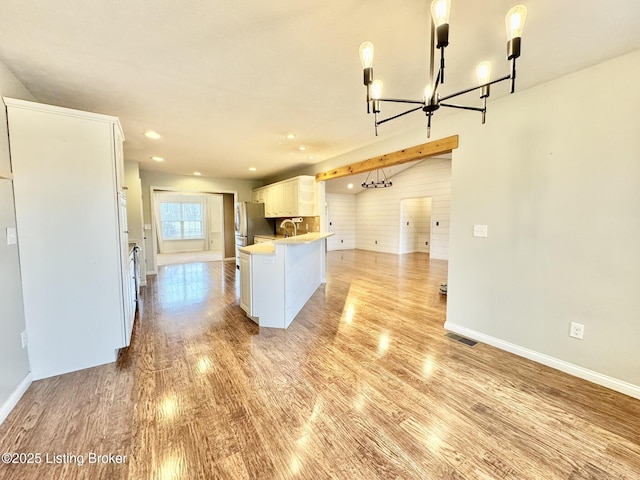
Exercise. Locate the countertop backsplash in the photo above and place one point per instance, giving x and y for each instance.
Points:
(308, 225)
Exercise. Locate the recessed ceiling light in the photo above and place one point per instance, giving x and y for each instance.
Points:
(197, 174)
(302, 148)
(291, 136)
(350, 186)
(252, 169)
(311, 157)
(157, 159)
(152, 134)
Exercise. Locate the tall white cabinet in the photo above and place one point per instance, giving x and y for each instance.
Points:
(68, 173)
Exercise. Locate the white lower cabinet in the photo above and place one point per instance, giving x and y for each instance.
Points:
(245, 283)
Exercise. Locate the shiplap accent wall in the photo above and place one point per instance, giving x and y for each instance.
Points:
(378, 210)
(341, 209)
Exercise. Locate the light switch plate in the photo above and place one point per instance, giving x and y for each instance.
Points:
(12, 236)
(480, 231)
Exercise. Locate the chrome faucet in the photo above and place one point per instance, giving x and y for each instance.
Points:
(285, 221)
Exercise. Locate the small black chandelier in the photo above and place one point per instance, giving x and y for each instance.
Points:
(377, 183)
(432, 101)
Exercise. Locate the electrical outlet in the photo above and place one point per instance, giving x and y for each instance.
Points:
(480, 231)
(576, 330)
(23, 337)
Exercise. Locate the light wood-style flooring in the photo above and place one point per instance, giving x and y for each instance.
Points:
(363, 385)
(188, 257)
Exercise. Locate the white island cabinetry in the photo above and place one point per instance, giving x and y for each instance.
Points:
(245, 282)
(278, 278)
(72, 236)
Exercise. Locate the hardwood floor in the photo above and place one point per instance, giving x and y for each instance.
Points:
(363, 385)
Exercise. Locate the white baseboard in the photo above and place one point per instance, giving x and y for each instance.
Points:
(13, 399)
(571, 369)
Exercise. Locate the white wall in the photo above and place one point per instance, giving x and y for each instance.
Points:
(215, 224)
(378, 210)
(14, 362)
(342, 221)
(555, 174)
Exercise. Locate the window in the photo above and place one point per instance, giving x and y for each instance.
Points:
(181, 221)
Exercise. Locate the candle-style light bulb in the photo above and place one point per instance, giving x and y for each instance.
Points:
(366, 54)
(514, 21)
(440, 11)
(428, 93)
(376, 90)
(483, 72)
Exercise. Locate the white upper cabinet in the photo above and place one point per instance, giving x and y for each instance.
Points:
(295, 197)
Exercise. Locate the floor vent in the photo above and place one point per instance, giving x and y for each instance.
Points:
(466, 341)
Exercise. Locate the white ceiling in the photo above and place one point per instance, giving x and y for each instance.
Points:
(223, 81)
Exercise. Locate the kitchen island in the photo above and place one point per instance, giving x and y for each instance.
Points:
(277, 279)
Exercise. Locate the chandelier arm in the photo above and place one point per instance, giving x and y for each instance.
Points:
(380, 122)
(401, 100)
(437, 82)
(462, 92)
(462, 107)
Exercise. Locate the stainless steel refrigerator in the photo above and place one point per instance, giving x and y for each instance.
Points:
(250, 221)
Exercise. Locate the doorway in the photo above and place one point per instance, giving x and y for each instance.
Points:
(190, 227)
(415, 225)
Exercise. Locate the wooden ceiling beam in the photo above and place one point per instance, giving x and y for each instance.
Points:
(429, 149)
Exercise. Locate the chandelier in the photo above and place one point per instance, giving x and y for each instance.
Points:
(432, 101)
(377, 183)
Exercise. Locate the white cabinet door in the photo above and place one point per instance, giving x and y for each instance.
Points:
(245, 283)
(290, 198)
(306, 197)
(258, 195)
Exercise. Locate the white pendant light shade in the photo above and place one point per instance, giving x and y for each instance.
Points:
(514, 21)
(366, 54)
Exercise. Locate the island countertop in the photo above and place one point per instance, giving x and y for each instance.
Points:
(304, 238)
(269, 248)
